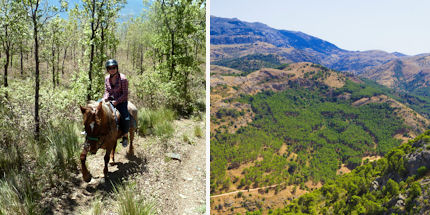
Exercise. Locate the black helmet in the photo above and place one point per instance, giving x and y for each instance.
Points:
(111, 62)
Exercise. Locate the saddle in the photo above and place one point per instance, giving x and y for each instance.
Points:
(117, 115)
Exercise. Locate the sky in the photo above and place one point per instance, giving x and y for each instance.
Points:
(132, 8)
(355, 25)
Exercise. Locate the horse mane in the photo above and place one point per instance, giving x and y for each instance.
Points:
(107, 111)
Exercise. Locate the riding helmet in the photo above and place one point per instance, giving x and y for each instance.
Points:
(111, 62)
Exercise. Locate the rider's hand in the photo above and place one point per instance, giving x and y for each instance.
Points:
(114, 103)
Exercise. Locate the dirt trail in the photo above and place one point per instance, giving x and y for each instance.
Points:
(245, 191)
(173, 186)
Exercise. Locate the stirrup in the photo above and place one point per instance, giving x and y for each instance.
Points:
(124, 141)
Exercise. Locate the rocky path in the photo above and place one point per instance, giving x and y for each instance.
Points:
(173, 186)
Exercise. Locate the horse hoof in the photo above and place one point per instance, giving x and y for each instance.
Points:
(112, 163)
(87, 178)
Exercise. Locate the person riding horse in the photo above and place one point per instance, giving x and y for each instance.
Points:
(116, 91)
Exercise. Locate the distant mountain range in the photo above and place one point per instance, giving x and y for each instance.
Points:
(233, 38)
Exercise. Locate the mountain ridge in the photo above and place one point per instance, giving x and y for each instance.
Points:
(233, 39)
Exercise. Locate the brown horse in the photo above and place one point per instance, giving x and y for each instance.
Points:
(102, 132)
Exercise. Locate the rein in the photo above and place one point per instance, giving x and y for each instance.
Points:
(87, 144)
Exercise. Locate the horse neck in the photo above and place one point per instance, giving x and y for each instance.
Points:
(109, 115)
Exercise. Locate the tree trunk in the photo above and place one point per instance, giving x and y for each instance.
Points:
(21, 60)
(53, 64)
(128, 48)
(141, 60)
(102, 47)
(93, 31)
(58, 67)
(7, 50)
(6, 65)
(172, 54)
(36, 96)
(11, 61)
(90, 72)
(64, 59)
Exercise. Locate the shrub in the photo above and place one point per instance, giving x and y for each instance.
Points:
(186, 139)
(164, 129)
(422, 171)
(157, 122)
(198, 131)
(128, 203)
(391, 188)
(19, 195)
(62, 147)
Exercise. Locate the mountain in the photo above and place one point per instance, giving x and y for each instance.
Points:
(294, 128)
(232, 38)
(234, 31)
(407, 73)
(395, 184)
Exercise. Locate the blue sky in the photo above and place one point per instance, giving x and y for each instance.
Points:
(132, 8)
(389, 25)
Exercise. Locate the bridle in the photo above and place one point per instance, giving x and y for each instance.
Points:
(97, 138)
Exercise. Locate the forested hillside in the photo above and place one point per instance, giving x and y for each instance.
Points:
(397, 183)
(298, 126)
(53, 60)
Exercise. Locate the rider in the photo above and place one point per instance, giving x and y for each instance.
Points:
(116, 91)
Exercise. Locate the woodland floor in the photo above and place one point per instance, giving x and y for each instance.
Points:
(172, 186)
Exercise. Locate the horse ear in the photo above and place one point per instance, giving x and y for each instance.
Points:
(99, 107)
(83, 110)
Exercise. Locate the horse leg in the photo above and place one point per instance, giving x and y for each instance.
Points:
(112, 154)
(85, 174)
(130, 148)
(105, 170)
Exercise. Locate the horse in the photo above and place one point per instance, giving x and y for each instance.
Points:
(102, 132)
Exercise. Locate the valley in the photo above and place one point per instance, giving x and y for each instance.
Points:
(292, 114)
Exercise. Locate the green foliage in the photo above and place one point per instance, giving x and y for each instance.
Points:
(391, 188)
(198, 132)
(151, 89)
(223, 112)
(19, 194)
(128, 203)
(416, 98)
(186, 139)
(176, 42)
(251, 63)
(61, 154)
(10, 154)
(359, 91)
(415, 190)
(96, 208)
(422, 171)
(353, 193)
(321, 130)
(157, 122)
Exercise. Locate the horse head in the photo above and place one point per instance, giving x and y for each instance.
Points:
(93, 117)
